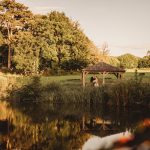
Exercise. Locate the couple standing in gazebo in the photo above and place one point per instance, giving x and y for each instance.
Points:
(100, 68)
(94, 81)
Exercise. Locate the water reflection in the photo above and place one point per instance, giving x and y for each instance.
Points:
(61, 126)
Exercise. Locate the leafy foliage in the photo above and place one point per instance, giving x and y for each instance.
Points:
(35, 43)
(40, 42)
(128, 61)
(59, 41)
(144, 62)
(26, 52)
(13, 17)
(114, 61)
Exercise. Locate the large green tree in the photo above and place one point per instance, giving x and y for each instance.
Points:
(13, 17)
(71, 43)
(63, 41)
(94, 55)
(128, 61)
(26, 52)
(79, 49)
(53, 40)
(61, 30)
(43, 30)
(114, 61)
(144, 62)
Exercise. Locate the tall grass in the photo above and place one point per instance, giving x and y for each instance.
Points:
(124, 93)
(6, 83)
(57, 93)
(131, 92)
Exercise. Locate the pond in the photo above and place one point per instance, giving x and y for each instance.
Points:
(62, 126)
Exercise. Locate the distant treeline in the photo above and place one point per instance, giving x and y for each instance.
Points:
(131, 61)
(34, 43)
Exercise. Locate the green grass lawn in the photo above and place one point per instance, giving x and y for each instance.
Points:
(68, 88)
(76, 80)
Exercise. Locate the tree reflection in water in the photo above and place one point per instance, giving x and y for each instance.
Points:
(65, 126)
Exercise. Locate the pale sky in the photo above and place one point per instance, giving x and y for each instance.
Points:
(123, 24)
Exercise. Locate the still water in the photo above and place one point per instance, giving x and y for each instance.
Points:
(47, 126)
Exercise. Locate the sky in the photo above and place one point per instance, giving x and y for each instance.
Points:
(123, 24)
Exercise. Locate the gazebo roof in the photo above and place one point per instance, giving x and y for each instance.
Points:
(103, 67)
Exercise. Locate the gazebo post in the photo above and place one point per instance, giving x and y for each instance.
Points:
(103, 78)
(121, 75)
(84, 73)
(83, 78)
(104, 74)
(83, 122)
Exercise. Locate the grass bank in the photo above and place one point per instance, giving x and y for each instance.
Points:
(133, 89)
(120, 93)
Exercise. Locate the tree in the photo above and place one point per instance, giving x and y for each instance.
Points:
(128, 61)
(1, 43)
(104, 52)
(104, 48)
(53, 40)
(13, 17)
(1, 39)
(79, 48)
(63, 41)
(114, 61)
(148, 53)
(95, 54)
(42, 28)
(26, 52)
(61, 28)
(144, 62)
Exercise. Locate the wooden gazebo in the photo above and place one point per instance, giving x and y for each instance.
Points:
(104, 69)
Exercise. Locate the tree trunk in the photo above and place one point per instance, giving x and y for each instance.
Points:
(59, 57)
(9, 57)
(59, 61)
(9, 32)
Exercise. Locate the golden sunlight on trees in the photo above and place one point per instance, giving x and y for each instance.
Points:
(13, 17)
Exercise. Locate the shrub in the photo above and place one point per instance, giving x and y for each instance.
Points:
(123, 93)
(130, 93)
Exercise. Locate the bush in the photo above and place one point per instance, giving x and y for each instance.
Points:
(124, 93)
(130, 93)
(57, 93)
(6, 84)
